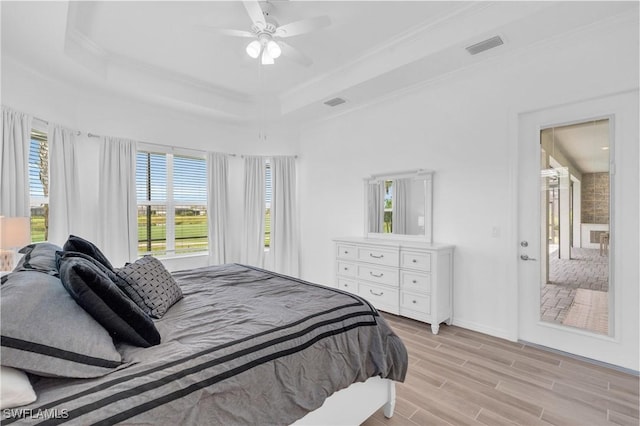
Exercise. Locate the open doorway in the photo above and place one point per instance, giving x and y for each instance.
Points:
(575, 224)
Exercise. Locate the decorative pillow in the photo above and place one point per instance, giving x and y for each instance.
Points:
(89, 284)
(39, 257)
(87, 247)
(63, 255)
(45, 332)
(150, 285)
(15, 388)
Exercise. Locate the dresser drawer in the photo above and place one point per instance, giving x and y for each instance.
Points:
(346, 269)
(382, 256)
(415, 260)
(348, 285)
(345, 251)
(415, 281)
(384, 298)
(378, 274)
(415, 302)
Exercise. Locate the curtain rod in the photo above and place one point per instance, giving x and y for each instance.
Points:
(93, 135)
(78, 132)
(266, 156)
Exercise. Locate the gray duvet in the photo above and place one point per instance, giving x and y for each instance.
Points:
(243, 347)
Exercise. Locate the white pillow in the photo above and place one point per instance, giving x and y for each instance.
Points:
(15, 388)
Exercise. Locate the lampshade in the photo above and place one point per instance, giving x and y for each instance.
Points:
(253, 49)
(14, 232)
(274, 49)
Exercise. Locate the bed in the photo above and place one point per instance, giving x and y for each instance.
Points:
(241, 346)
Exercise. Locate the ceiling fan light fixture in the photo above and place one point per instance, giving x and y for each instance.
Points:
(266, 58)
(254, 48)
(274, 49)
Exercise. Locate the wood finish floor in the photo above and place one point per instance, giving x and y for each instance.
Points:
(460, 377)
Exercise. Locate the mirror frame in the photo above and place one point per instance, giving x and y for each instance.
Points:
(428, 204)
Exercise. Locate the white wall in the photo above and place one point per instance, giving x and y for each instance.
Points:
(459, 127)
(105, 114)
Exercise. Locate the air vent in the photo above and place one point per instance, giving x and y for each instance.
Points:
(487, 44)
(335, 101)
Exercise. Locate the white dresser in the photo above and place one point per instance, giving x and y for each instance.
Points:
(407, 278)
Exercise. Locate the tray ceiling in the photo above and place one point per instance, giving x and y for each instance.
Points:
(158, 52)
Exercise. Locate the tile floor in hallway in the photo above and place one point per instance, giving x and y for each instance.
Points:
(586, 269)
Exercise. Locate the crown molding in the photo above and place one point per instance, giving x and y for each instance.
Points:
(465, 24)
(572, 36)
(151, 81)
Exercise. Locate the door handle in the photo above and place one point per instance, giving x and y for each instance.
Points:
(525, 257)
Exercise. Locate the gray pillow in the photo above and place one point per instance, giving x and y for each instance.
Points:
(149, 285)
(39, 257)
(45, 332)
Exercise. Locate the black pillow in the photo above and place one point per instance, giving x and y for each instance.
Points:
(62, 255)
(87, 247)
(89, 285)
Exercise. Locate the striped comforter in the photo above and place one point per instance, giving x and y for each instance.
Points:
(244, 346)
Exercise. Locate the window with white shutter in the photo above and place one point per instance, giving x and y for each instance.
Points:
(39, 185)
(267, 206)
(172, 204)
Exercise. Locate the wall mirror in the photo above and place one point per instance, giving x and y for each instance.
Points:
(399, 205)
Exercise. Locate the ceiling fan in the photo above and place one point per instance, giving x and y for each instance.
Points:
(267, 33)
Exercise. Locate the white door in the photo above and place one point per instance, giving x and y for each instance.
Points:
(612, 347)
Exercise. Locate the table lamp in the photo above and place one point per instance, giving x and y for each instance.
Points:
(15, 233)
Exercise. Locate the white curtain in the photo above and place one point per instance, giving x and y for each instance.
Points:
(14, 164)
(118, 221)
(284, 220)
(401, 206)
(218, 172)
(64, 202)
(252, 251)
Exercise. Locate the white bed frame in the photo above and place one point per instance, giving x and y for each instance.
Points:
(355, 404)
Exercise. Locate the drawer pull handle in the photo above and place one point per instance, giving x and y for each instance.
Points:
(414, 260)
(376, 257)
(346, 285)
(346, 252)
(376, 294)
(413, 301)
(374, 275)
(346, 269)
(414, 281)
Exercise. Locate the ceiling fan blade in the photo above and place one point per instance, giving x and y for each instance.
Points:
(303, 26)
(226, 31)
(291, 52)
(255, 13)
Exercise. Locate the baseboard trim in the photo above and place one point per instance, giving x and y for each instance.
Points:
(504, 334)
(480, 328)
(583, 358)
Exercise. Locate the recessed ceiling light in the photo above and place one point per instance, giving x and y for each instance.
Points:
(605, 148)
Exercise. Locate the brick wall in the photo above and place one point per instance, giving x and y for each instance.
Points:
(595, 198)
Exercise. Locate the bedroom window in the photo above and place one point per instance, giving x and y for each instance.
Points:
(39, 185)
(267, 206)
(172, 204)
